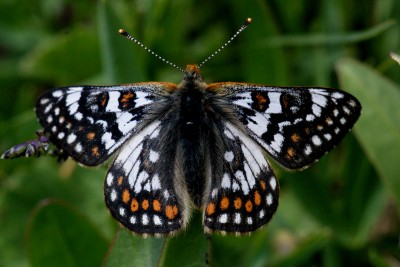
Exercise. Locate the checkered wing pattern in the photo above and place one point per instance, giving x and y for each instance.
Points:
(89, 123)
(296, 126)
(243, 193)
(141, 189)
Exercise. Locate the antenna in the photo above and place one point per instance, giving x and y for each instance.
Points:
(130, 37)
(242, 28)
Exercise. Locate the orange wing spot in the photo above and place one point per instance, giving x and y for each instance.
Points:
(103, 101)
(145, 204)
(120, 179)
(263, 185)
(95, 151)
(210, 209)
(91, 135)
(257, 198)
(262, 102)
(134, 205)
(285, 101)
(224, 204)
(171, 211)
(295, 137)
(320, 127)
(237, 203)
(290, 153)
(249, 206)
(126, 97)
(126, 196)
(156, 205)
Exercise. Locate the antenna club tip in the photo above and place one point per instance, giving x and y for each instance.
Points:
(248, 21)
(122, 31)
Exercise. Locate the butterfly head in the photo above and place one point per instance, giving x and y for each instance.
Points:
(192, 73)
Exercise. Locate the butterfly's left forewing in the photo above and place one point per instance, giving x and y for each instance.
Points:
(89, 123)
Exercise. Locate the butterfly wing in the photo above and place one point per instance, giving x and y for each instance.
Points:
(296, 126)
(144, 189)
(243, 192)
(89, 123)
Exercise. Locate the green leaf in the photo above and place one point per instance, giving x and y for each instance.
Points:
(189, 248)
(130, 250)
(378, 128)
(55, 237)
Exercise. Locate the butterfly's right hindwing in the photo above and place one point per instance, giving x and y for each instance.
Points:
(90, 122)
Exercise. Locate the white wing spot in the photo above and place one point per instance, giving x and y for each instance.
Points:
(155, 182)
(346, 110)
(133, 219)
(113, 195)
(310, 117)
(153, 156)
(78, 116)
(48, 108)
(307, 150)
(57, 111)
(44, 101)
(57, 93)
(335, 112)
(328, 136)
(316, 140)
(237, 219)
(71, 138)
(49, 119)
(316, 110)
(54, 129)
(145, 219)
(229, 156)
(110, 179)
(157, 220)
(261, 214)
(214, 193)
(272, 183)
(226, 181)
(249, 220)
(337, 130)
(78, 148)
(269, 199)
(337, 95)
(343, 120)
(122, 212)
(319, 99)
(223, 218)
(61, 135)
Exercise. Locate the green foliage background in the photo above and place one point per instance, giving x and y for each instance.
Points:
(343, 211)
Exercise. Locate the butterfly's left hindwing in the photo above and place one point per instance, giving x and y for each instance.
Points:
(90, 122)
(142, 187)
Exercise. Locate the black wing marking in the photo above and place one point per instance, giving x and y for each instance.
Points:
(296, 126)
(89, 123)
(243, 192)
(142, 188)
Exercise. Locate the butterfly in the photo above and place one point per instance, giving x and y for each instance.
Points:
(194, 145)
